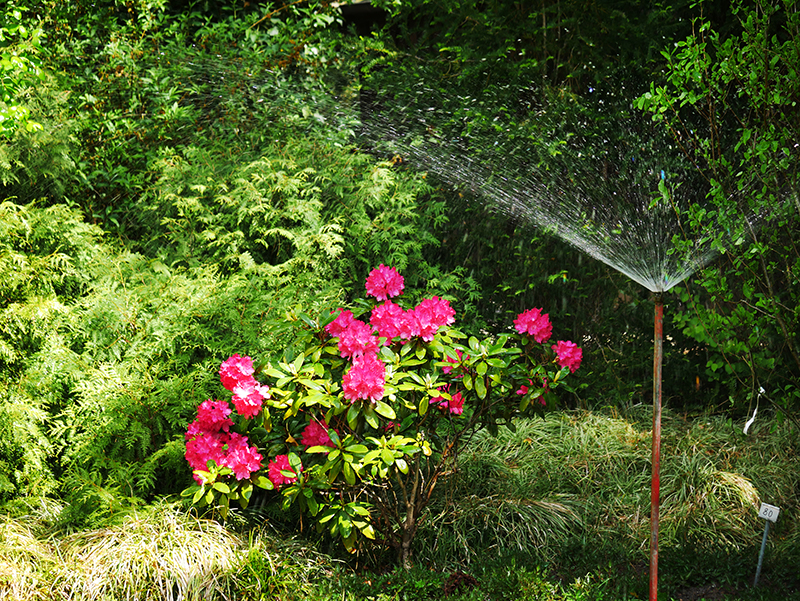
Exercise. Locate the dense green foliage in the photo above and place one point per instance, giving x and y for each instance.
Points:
(177, 176)
(579, 475)
(732, 104)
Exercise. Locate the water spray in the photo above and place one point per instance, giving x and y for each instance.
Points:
(627, 220)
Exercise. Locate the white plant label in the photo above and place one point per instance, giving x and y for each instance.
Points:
(769, 512)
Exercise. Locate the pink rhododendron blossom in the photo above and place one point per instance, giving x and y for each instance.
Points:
(339, 325)
(388, 319)
(433, 313)
(242, 458)
(454, 405)
(409, 325)
(534, 323)
(524, 390)
(278, 465)
(248, 397)
(357, 339)
(427, 317)
(437, 311)
(235, 369)
(384, 282)
(365, 379)
(569, 354)
(316, 434)
(212, 416)
(203, 446)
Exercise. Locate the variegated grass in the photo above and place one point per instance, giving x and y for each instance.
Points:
(160, 553)
(26, 562)
(157, 553)
(585, 476)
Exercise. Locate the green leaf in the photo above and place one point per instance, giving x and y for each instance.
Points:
(313, 506)
(307, 320)
(357, 509)
(480, 388)
(327, 516)
(385, 410)
(371, 456)
(353, 414)
(423, 405)
(349, 474)
(275, 373)
(371, 417)
(345, 525)
(318, 449)
(263, 482)
(222, 487)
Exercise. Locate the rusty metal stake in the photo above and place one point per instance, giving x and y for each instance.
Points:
(656, 447)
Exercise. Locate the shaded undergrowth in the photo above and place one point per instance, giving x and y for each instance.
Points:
(556, 510)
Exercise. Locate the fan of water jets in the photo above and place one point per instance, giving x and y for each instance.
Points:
(616, 192)
(620, 198)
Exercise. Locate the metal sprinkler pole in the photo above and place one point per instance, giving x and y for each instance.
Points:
(656, 446)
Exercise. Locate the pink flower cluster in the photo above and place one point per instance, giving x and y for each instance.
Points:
(276, 469)
(365, 379)
(455, 404)
(358, 340)
(534, 323)
(209, 438)
(569, 355)
(316, 434)
(524, 390)
(424, 320)
(384, 282)
(236, 375)
(537, 324)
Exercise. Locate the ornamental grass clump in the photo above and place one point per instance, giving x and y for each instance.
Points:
(363, 415)
(26, 562)
(160, 554)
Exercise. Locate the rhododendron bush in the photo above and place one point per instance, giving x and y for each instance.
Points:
(363, 414)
